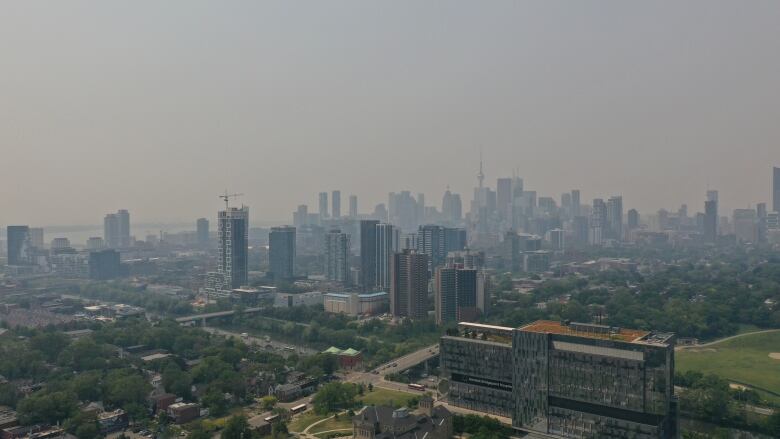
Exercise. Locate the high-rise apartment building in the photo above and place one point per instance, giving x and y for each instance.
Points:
(776, 189)
(336, 202)
(232, 248)
(565, 379)
(323, 205)
(19, 245)
(116, 229)
(409, 285)
(281, 252)
(353, 206)
(711, 220)
(455, 293)
(337, 256)
(368, 254)
(36, 237)
(202, 227)
(387, 244)
(633, 219)
(745, 225)
(614, 218)
(598, 219)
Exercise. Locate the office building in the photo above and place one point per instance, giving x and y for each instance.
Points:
(409, 285)
(537, 261)
(19, 245)
(368, 254)
(633, 219)
(232, 249)
(281, 252)
(745, 225)
(202, 227)
(36, 237)
(336, 202)
(567, 380)
(353, 206)
(711, 220)
(503, 196)
(104, 264)
(776, 189)
(323, 205)
(387, 244)
(455, 294)
(614, 219)
(575, 203)
(580, 226)
(337, 256)
(436, 241)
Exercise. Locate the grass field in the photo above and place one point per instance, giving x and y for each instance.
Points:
(386, 397)
(343, 422)
(300, 422)
(744, 359)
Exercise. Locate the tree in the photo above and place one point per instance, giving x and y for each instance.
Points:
(124, 387)
(236, 427)
(268, 402)
(43, 407)
(50, 344)
(334, 396)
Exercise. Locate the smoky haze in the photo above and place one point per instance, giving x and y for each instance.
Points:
(157, 107)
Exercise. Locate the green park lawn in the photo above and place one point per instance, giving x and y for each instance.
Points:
(303, 420)
(744, 359)
(344, 422)
(386, 397)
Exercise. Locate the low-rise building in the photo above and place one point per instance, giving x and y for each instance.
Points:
(384, 422)
(182, 412)
(289, 300)
(356, 304)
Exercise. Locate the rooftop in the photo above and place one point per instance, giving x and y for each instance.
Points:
(586, 330)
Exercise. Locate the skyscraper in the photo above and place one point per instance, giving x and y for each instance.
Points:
(301, 216)
(336, 200)
(745, 225)
(19, 245)
(503, 196)
(455, 294)
(323, 205)
(615, 218)
(111, 230)
(123, 217)
(409, 285)
(281, 252)
(36, 237)
(387, 244)
(431, 242)
(711, 220)
(633, 219)
(233, 247)
(451, 207)
(116, 229)
(202, 225)
(598, 218)
(575, 202)
(776, 189)
(337, 256)
(353, 206)
(368, 253)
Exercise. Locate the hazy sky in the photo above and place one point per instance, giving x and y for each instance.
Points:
(158, 106)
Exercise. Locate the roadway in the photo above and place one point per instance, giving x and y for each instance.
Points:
(277, 347)
(408, 360)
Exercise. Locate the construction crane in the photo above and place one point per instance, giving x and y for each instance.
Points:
(227, 197)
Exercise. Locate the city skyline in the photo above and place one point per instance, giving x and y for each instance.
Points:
(545, 90)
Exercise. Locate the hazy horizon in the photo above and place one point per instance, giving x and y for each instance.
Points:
(159, 107)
